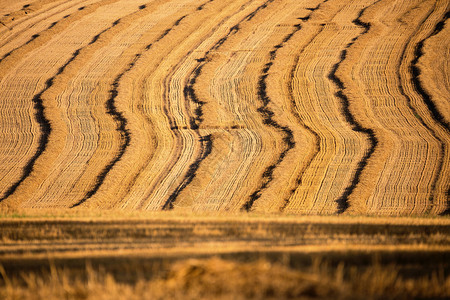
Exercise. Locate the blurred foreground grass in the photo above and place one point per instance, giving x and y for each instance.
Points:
(216, 278)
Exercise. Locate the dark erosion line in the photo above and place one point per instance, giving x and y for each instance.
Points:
(103, 175)
(427, 99)
(206, 148)
(119, 117)
(310, 130)
(422, 122)
(35, 36)
(206, 143)
(201, 7)
(44, 125)
(415, 70)
(268, 115)
(172, 124)
(42, 120)
(121, 128)
(4, 25)
(296, 115)
(189, 93)
(342, 201)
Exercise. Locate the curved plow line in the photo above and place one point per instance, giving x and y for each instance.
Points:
(125, 136)
(342, 201)
(293, 105)
(296, 29)
(206, 141)
(24, 11)
(33, 22)
(201, 7)
(316, 136)
(10, 59)
(55, 82)
(421, 120)
(102, 176)
(267, 115)
(173, 126)
(33, 37)
(317, 139)
(415, 70)
(118, 116)
(427, 99)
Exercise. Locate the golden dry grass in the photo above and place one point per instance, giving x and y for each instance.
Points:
(221, 279)
(168, 256)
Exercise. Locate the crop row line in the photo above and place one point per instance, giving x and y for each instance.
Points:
(342, 201)
(206, 141)
(119, 117)
(268, 115)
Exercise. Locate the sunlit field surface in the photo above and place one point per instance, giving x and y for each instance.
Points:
(224, 149)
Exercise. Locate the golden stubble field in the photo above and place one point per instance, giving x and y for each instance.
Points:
(305, 139)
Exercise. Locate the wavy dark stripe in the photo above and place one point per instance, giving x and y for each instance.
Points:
(119, 117)
(342, 201)
(293, 104)
(415, 70)
(424, 124)
(44, 125)
(427, 99)
(189, 92)
(37, 35)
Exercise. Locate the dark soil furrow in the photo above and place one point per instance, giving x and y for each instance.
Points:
(442, 149)
(298, 27)
(205, 150)
(40, 117)
(25, 11)
(268, 114)
(427, 99)
(33, 37)
(44, 123)
(42, 12)
(342, 201)
(189, 92)
(194, 121)
(119, 117)
(45, 35)
(203, 5)
(415, 70)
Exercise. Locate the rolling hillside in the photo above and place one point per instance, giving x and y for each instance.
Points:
(304, 107)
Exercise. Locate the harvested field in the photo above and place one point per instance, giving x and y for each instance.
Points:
(284, 132)
(303, 107)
